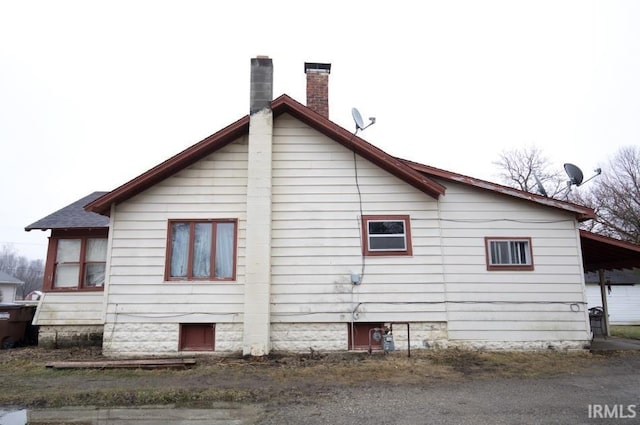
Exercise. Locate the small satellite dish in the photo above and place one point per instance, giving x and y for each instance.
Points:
(574, 173)
(357, 118)
(541, 188)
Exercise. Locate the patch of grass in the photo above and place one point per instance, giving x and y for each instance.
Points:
(632, 332)
(278, 378)
(129, 397)
(509, 364)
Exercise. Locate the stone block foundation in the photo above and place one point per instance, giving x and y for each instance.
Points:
(70, 336)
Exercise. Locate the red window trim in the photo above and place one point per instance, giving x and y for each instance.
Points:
(192, 222)
(52, 250)
(507, 267)
(365, 235)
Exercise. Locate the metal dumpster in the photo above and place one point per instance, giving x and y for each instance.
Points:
(15, 323)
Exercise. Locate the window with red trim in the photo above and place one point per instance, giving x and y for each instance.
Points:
(508, 253)
(386, 235)
(201, 250)
(76, 263)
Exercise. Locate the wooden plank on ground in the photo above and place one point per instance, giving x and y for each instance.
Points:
(132, 364)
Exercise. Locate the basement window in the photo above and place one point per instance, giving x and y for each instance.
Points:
(197, 336)
(385, 235)
(508, 253)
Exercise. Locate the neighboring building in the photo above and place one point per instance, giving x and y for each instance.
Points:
(8, 288)
(623, 295)
(285, 231)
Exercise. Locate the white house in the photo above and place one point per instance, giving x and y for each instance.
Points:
(8, 287)
(285, 231)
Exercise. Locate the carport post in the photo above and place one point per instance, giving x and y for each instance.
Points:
(603, 295)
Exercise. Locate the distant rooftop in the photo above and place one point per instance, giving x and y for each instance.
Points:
(7, 278)
(72, 216)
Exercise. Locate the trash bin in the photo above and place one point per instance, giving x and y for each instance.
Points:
(15, 319)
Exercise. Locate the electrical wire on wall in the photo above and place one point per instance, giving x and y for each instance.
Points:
(362, 257)
(357, 118)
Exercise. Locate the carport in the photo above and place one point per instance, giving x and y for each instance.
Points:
(600, 253)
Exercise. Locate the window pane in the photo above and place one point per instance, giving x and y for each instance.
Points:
(519, 252)
(387, 243)
(386, 227)
(224, 250)
(509, 252)
(96, 250)
(66, 275)
(94, 275)
(499, 252)
(202, 250)
(179, 249)
(68, 251)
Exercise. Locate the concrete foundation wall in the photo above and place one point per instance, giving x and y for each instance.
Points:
(161, 339)
(301, 337)
(62, 336)
(422, 335)
(518, 345)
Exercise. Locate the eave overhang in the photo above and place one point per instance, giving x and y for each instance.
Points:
(605, 253)
(582, 213)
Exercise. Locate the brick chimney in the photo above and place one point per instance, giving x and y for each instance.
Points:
(318, 87)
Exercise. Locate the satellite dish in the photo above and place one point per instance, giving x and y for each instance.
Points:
(541, 188)
(357, 118)
(574, 173)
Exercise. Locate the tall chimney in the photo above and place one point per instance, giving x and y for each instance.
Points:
(318, 87)
(257, 286)
(261, 84)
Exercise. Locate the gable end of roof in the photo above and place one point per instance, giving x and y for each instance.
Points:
(283, 104)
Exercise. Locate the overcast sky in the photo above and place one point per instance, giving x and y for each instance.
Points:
(92, 94)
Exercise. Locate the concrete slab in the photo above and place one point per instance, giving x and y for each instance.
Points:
(223, 413)
(613, 343)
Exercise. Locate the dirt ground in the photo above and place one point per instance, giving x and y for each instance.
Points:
(289, 387)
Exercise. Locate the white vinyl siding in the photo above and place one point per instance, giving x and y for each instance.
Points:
(317, 244)
(545, 304)
(70, 308)
(213, 188)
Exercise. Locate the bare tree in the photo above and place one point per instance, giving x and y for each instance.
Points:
(615, 197)
(31, 272)
(520, 167)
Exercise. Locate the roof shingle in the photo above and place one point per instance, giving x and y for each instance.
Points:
(73, 216)
(7, 278)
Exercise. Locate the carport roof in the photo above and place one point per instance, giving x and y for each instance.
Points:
(602, 252)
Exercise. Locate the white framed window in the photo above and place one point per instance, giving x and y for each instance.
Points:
(504, 253)
(386, 235)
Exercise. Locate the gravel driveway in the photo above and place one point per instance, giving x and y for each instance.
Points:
(559, 400)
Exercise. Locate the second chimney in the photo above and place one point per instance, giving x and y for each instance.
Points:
(318, 87)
